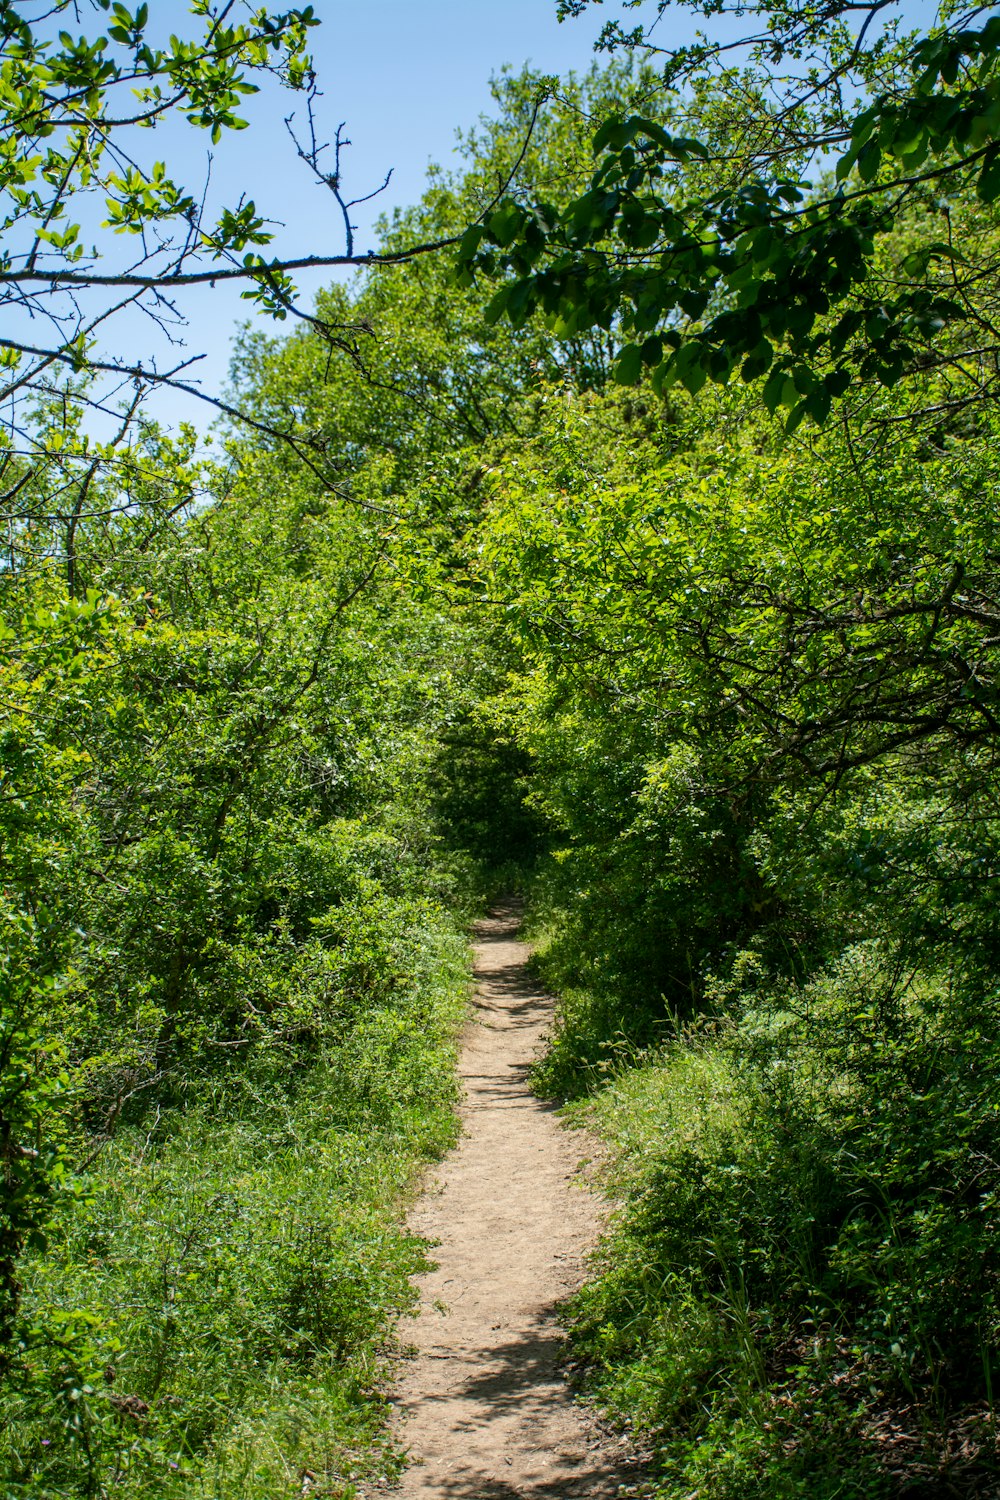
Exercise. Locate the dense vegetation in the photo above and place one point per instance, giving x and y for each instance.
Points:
(759, 692)
(772, 918)
(707, 665)
(229, 989)
(249, 801)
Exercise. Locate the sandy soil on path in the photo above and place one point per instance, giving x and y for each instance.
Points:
(484, 1409)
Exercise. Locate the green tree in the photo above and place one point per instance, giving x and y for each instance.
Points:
(93, 225)
(703, 241)
(232, 694)
(757, 686)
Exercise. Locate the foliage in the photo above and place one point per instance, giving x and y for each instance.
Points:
(770, 913)
(246, 801)
(223, 887)
(716, 255)
(102, 236)
(70, 110)
(205, 1319)
(787, 1303)
(466, 609)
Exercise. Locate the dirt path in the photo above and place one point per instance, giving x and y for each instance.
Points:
(484, 1409)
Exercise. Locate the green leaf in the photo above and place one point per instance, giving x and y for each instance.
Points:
(604, 134)
(837, 381)
(758, 361)
(693, 375)
(869, 160)
(845, 164)
(797, 415)
(693, 303)
(497, 305)
(862, 127)
(818, 405)
(774, 390)
(505, 222)
(804, 380)
(653, 130)
(471, 241)
(988, 185)
(652, 350)
(628, 366)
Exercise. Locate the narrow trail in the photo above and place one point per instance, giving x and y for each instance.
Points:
(484, 1409)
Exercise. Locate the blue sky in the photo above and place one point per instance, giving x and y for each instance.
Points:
(404, 76)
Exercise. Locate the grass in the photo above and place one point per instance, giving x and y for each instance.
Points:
(214, 1315)
(785, 1304)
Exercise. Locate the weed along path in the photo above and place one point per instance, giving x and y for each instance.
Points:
(483, 1408)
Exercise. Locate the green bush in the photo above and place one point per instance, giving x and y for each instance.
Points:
(808, 1245)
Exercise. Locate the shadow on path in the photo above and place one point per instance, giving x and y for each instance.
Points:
(487, 1413)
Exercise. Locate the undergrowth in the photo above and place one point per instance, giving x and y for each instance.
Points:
(799, 1296)
(210, 1317)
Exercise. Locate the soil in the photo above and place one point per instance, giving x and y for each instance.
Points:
(483, 1405)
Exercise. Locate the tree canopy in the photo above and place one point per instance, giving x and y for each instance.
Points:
(95, 225)
(703, 238)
